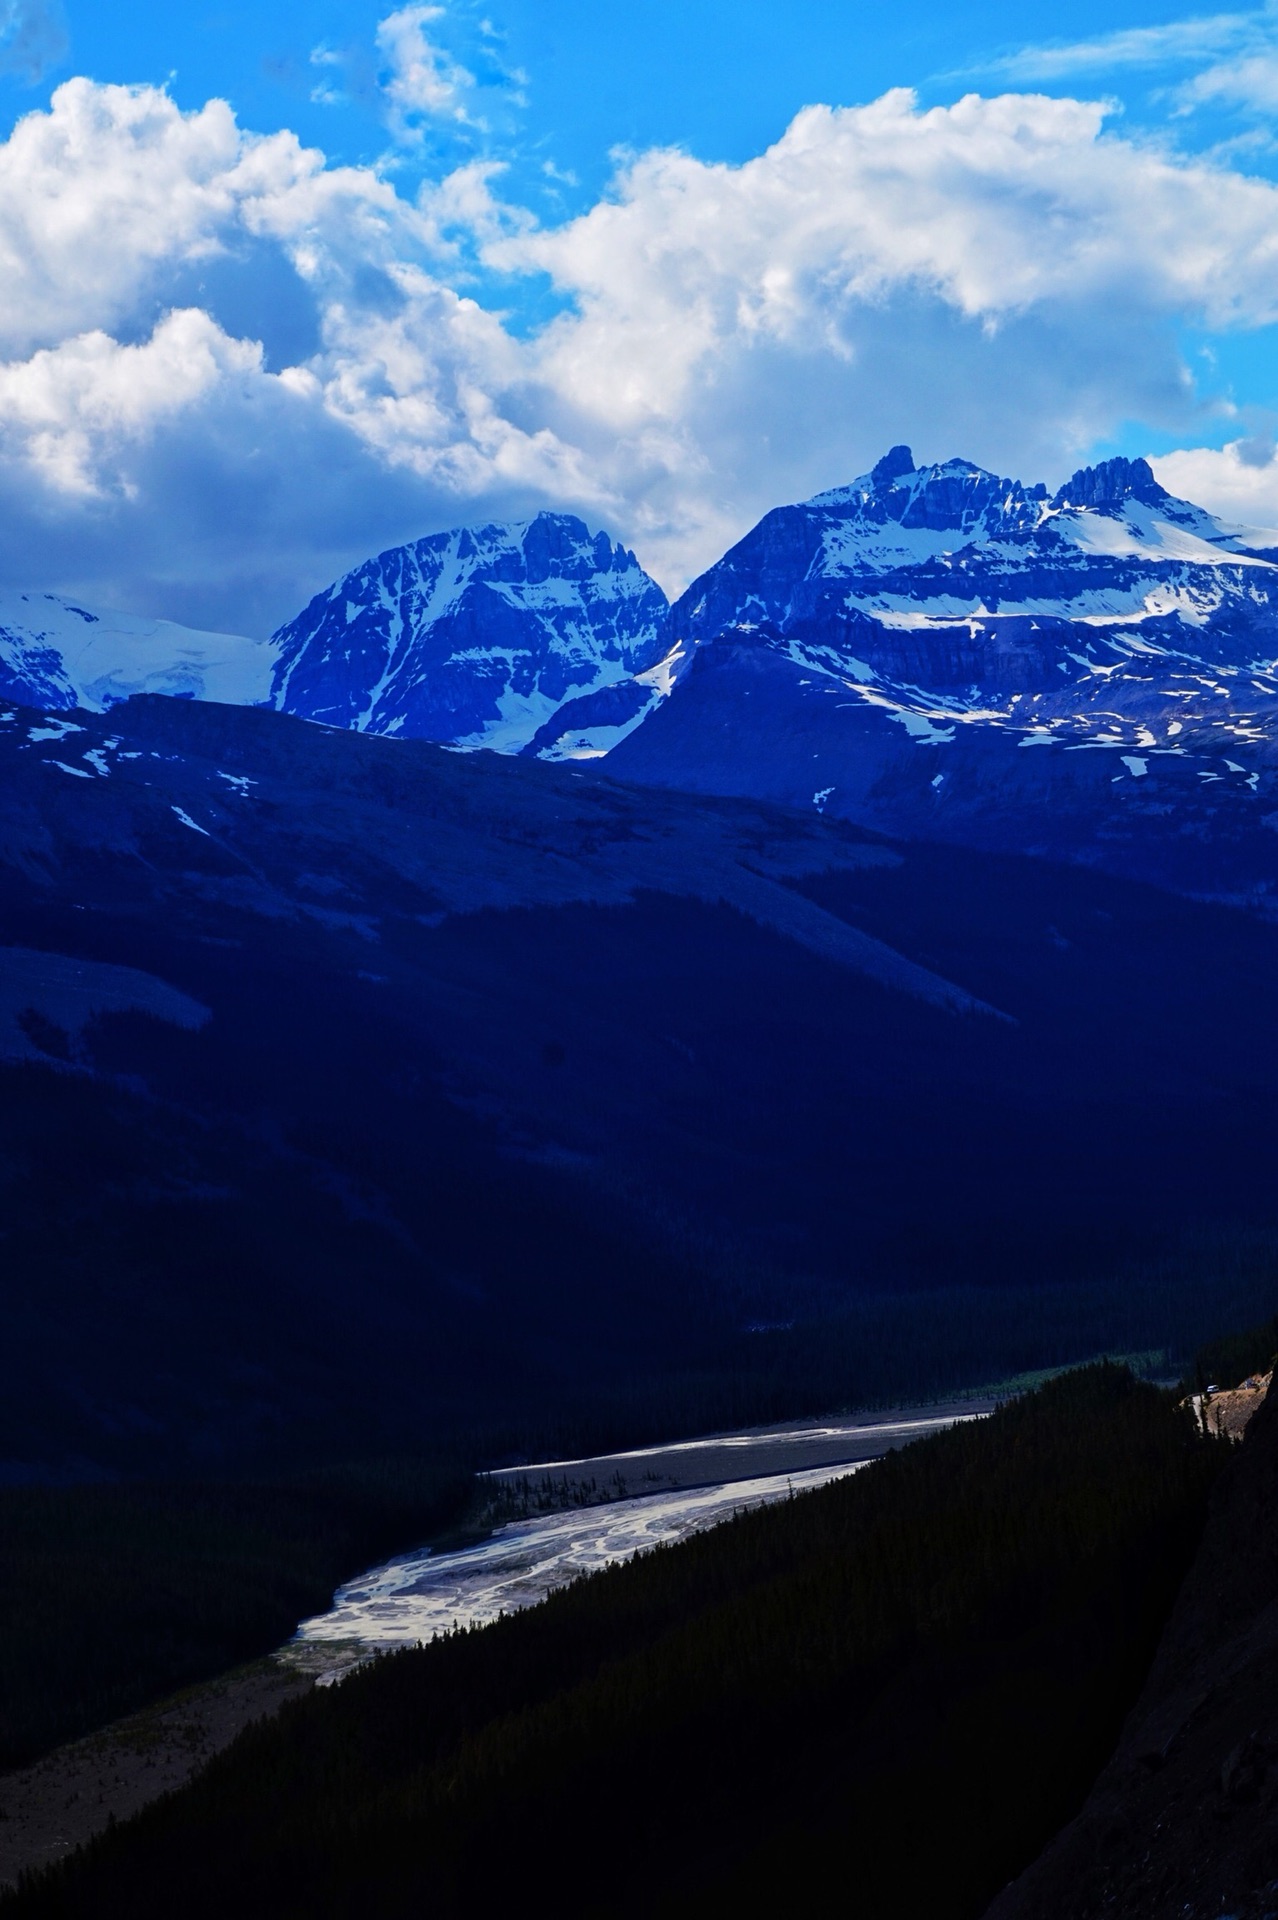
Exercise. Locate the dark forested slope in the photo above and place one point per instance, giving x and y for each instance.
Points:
(1182, 1823)
(900, 1684)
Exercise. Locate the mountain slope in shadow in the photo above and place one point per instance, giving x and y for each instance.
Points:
(356, 1086)
(1182, 1820)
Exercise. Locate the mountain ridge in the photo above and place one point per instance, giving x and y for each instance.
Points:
(883, 652)
(472, 637)
(887, 651)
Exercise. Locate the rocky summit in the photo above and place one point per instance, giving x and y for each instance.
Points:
(927, 567)
(474, 638)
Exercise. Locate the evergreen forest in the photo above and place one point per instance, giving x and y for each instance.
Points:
(899, 1686)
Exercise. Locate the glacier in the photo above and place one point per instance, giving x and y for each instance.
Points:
(59, 653)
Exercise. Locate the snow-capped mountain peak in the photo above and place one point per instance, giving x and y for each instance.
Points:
(476, 636)
(943, 544)
(888, 649)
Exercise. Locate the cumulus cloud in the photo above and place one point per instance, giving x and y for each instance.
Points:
(997, 277)
(73, 411)
(228, 369)
(1239, 481)
(993, 206)
(113, 191)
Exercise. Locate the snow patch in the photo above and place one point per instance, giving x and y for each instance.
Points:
(187, 821)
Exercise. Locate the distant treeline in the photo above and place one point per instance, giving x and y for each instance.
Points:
(897, 1687)
(1233, 1358)
(111, 1596)
(884, 1349)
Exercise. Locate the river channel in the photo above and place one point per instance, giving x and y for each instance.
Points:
(661, 1494)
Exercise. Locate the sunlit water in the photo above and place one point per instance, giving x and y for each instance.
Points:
(420, 1594)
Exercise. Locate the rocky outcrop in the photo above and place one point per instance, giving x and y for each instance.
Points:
(1231, 1412)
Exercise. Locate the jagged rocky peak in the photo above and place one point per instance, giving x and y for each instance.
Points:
(952, 495)
(896, 462)
(475, 636)
(865, 572)
(1109, 484)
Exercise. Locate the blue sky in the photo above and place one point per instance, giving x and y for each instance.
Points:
(723, 77)
(432, 263)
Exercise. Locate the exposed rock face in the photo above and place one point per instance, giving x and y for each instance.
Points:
(1183, 1823)
(475, 637)
(1112, 482)
(1231, 1413)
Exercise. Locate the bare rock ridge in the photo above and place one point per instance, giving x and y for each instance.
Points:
(1183, 1823)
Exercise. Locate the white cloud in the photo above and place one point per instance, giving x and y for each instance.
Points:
(423, 82)
(113, 190)
(996, 277)
(324, 93)
(1172, 42)
(230, 369)
(994, 206)
(1239, 481)
(1249, 81)
(1236, 55)
(74, 410)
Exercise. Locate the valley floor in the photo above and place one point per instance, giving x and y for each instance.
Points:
(790, 1446)
(53, 1806)
(608, 1507)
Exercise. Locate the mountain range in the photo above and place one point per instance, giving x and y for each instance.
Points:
(947, 655)
(782, 1017)
(724, 1002)
(933, 652)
